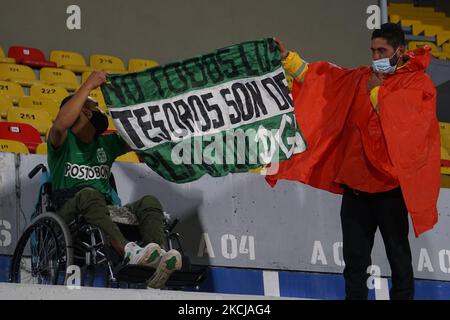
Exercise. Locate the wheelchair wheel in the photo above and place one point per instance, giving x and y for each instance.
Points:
(43, 252)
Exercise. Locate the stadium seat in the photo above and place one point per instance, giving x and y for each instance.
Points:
(108, 64)
(434, 49)
(11, 89)
(4, 59)
(20, 132)
(129, 157)
(41, 148)
(49, 92)
(13, 146)
(446, 47)
(111, 126)
(39, 119)
(445, 147)
(5, 103)
(60, 77)
(69, 60)
(136, 65)
(417, 44)
(442, 37)
(31, 57)
(49, 105)
(17, 73)
(98, 96)
(84, 76)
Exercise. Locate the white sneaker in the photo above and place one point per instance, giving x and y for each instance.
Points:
(150, 255)
(170, 262)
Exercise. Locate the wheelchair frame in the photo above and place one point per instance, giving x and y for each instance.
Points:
(55, 246)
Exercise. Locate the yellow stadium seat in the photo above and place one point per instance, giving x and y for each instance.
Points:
(11, 89)
(410, 10)
(13, 146)
(111, 124)
(18, 73)
(442, 37)
(428, 30)
(136, 65)
(84, 76)
(41, 148)
(444, 128)
(60, 77)
(69, 60)
(394, 18)
(417, 44)
(39, 119)
(434, 49)
(5, 103)
(446, 47)
(49, 105)
(106, 63)
(443, 22)
(98, 96)
(410, 23)
(47, 133)
(445, 145)
(4, 59)
(129, 157)
(447, 55)
(49, 92)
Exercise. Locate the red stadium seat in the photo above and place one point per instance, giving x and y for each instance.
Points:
(20, 132)
(31, 57)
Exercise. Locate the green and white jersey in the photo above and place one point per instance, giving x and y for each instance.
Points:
(77, 164)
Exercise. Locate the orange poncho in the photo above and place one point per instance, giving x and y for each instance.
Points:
(349, 143)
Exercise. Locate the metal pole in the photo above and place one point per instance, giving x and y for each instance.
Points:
(384, 11)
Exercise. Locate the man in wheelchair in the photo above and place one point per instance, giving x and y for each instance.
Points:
(80, 161)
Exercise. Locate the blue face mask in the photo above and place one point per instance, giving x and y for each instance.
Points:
(385, 65)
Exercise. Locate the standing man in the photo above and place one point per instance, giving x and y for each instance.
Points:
(372, 136)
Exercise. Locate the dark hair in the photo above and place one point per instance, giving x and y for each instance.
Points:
(392, 32)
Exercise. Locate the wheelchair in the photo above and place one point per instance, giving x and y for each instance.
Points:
(49, 248)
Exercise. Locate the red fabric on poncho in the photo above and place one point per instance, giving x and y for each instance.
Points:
(349, 143)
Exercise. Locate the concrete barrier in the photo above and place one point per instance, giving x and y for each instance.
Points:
(12, 291)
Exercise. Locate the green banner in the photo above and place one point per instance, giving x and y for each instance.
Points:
(226, 111)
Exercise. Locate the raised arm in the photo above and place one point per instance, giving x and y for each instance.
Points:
(293, 64)
(70, 111)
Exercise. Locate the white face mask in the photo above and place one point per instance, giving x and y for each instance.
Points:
(384, 65)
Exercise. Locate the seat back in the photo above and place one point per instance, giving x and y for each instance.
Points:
(48, 92)
(106, 63)
(10, 72)
(5, 103)
(13, 146)
(11, 89)
(39, 119)
(136, 65)
(63, 58)
(4, 59)
(46, 104)
(418, 44)
(20, 132)
(59, 76)
(41, 148)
